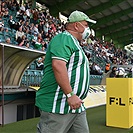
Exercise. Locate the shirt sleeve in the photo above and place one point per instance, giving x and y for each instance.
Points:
(62, 47)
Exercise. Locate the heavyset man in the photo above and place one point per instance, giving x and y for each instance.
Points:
(66, 80)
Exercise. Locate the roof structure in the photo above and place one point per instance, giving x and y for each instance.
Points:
(15, 60)
(114, 17)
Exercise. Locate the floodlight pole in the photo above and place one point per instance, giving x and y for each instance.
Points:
(2, 85)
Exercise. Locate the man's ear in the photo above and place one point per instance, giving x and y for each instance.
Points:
(76, 26)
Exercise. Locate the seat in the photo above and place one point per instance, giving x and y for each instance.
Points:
(33, 66)
(2, 38)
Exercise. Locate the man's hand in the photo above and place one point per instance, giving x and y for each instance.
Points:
(74, 102)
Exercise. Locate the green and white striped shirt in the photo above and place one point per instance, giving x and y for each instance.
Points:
(50, 97)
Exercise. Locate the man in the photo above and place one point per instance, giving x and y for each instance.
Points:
(113, 72)
(8, 40)
(19, 33)
(66, 80)
(12, 23)
(39, 63)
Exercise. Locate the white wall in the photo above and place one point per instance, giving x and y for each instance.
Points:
(10, 110)
(10, 113)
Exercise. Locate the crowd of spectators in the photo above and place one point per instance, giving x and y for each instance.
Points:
(108, 53)
(29, 25)
(31, 28)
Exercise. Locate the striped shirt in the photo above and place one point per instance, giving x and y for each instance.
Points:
(50, 97)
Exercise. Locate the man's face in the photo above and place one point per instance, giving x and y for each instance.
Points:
(8, 40)
(81, 29)
(82, 25)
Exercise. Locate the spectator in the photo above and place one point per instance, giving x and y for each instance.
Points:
(31, 28)
(43, 48)
(40, 63)
(22, 41)
(120, 72)
(26, 26)
(12, 5)
(113, 72)
(8, 40)
(22, 8)
(96, 69)
(6, 13)
(6, 32)
(40, 37)
(34, 39)
(3, 7)
(19, 15)
(1, 30)
(12, 23)
(45, 27)
(28, 13)
(38, 44)
(107, 67)
(44, 45)
(36, 29)
(19, 33)
(35, 16)
(40, 26)
(1, 23)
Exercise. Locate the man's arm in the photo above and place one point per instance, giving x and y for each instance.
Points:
(61, 75)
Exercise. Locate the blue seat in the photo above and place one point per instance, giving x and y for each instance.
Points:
(2, 38)
(32, 77)
(33, 66)
(95, 79)
(14, 31)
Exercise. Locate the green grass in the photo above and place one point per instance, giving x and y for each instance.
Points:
(25, 126)
(96, 119)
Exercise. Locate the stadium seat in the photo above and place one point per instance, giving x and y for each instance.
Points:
(33, 66)
(14, 31)
(95, 79)
(2, 38)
